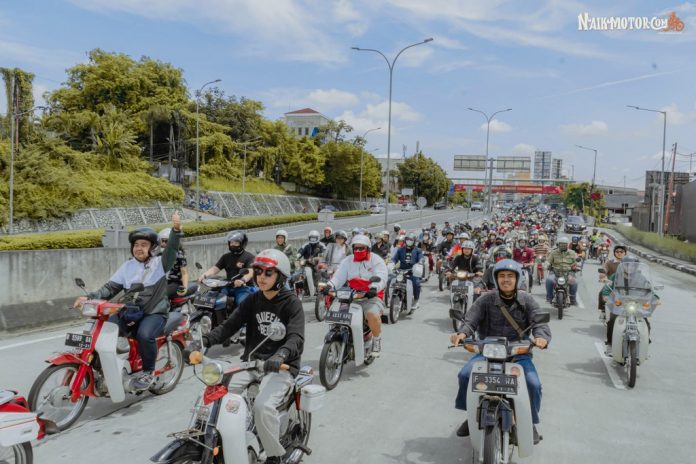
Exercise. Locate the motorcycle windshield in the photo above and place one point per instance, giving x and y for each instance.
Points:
(633, 279)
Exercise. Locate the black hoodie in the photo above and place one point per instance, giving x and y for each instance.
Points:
(258, 312)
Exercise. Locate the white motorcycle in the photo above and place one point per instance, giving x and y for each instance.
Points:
(497, 404)
(401, 292)
(18, 426)
(222, 425)
(462, 292)
(632, 301)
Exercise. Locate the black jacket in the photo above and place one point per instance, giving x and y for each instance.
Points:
(257, 312)
(468, 264)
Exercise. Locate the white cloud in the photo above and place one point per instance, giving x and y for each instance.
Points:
(333, 98)
(582, 130)
(376, 115)
(38, 91)
(414, 57)
(345, 12)
(524, 149)
(449, 43)
(497, 126)
(677, 117)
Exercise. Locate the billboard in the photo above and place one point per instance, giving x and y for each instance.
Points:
(469, 163)
(513, 163)
(547, 189)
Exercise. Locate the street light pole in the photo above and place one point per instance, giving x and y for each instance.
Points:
(198, 170)
(362, 151)
(391, 79)
(661, 206)
(485, 165)
(594, 170)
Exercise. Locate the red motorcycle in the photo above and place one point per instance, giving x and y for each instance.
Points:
(18, 426)
(322, 302)
(100, 364)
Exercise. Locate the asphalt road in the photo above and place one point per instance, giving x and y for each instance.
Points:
(400, 409)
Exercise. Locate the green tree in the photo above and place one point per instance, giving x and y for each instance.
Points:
(333, 131)
(579, 196)
(24, 99)
(425, 176)
(241, 118)
(343, 170)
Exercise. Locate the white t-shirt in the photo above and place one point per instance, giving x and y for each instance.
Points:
(132, 271)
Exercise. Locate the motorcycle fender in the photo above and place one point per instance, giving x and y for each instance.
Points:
(356, 329)
(112, 364)
(232, 427)
(176, 450)
(333, 334)
(17, 427)
(310, 280)
(617, 341)
(65, 358)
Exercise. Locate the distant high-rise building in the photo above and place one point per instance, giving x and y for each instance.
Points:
(542, 164)
(556, 168)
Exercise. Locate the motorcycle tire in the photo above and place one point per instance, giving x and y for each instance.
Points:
(22, 453)
(299, 435)
(440, 280)
(177, 359)
(79, 405)
(328, 376)
(455, 323)
(632, 363)
(320, 307)
(560, 303)
(394, 309)
(493, 445)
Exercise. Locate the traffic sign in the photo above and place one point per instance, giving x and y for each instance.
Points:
(421, 202)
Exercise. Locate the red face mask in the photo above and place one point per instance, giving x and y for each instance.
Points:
(361, 255)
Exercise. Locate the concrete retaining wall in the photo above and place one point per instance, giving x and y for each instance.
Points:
(36, 287)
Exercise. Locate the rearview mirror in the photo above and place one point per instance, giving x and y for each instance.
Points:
(375, 279)
(198, 266)
(80, 283)
(456, 315)
(541, 317)
(277, 331)
(139, 287)
(601, 271)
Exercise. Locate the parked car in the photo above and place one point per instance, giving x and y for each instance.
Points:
(327, 209)
(440, 205)
(574, 225)
(477, 206)
(408, 207)
(376, 209)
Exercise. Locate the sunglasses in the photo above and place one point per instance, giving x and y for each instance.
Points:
(267, 272)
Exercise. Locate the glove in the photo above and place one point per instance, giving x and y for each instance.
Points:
(371, 293)
(181, 290)
(273, 363)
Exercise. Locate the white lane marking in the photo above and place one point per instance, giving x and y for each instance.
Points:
(31, 342)
(618, 383)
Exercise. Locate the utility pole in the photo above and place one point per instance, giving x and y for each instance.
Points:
(624, 182)
(12, 139)
(670, 194)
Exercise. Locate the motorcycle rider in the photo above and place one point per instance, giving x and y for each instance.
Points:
(427, 247)
(524, 255)
(328, 236)
(178, 276)
(382, 247)
(444, 247)
(562, 259)
(335, 252)
(469, 262)
(405, 258)
(151, 271)
(486, 317)
(595, 239)
(273, 303)
(311, 252)
(608, 269)
(234, 262)
(498, 254)
(365, 265)
(282, 244)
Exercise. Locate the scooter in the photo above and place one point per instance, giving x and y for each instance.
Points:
(322, 302)
(18, 426)
(349, 337)
(99, 365)
(498, 401)
(603, 254)
(561, 292)
(401, 293)
(462, 292)
(222, 426)
(540, 260)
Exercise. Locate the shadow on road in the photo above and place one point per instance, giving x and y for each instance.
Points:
(444, 323)
(592, 368)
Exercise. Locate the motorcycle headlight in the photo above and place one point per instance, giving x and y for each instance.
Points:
(212, 373)
(343, 294)
(400, 278)
(561, 281)
(89, 310)
(461, 275)
(494, 351)
(631, 306)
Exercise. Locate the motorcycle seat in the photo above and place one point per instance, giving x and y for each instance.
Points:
(6, 396)
(173, 322)
(192, 288)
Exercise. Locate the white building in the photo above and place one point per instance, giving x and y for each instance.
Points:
(394, 162)
(305, 122)
(542, 164)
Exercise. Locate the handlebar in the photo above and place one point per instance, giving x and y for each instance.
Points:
(196, 357)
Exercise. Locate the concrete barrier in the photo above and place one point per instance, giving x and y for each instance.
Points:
(37, 287)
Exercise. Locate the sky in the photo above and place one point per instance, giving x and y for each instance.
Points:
(566, 86)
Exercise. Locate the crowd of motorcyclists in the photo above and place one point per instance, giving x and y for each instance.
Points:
(504, 257)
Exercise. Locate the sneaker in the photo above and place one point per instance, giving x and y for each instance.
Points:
(573, 303)
(143, 381)
(414, 305)
(463, 430)
(376, 346)
(537, 437)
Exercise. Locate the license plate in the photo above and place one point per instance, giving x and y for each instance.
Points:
(205, 301)
(341, 317)
(78, 340)
(494, 383)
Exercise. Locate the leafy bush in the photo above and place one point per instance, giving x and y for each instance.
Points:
(665, 245)
(252, 185)
(55, 240)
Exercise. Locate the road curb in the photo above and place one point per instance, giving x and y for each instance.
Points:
(654, 258)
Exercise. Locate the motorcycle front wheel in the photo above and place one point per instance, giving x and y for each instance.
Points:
(320, 307)
(50, 395)
(560, 302)
(167, 381)
(440, 281)
(455, 323)
(394, 308)
(330, 366)
(493, 445)
(18, 454)
(632, 363)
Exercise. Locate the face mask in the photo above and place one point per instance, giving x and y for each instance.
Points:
(563, 247)
(409, 243)
(235, 249)
(360, 255)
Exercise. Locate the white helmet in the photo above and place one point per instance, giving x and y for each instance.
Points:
(384, 232)
(273, 259)
(282, 232)
(313, 236)
(164, 234)
(361, 240)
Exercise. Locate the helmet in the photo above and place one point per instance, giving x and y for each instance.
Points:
(361, 240)
(328, 228)
(237, 236)
(620, 246)
(506, 265)
(594, 231)
(563, 240)
(402, 232)
(502, 252)
(273, 259)
(469, 244)
(384, 232)
(411, 236)
(629, 264)
(282, 232)
(630, 259)
(446, 231)
(164, 233)
(342, 234)
(313, 236)
(397, 227)
(143, 233)
(355, 231)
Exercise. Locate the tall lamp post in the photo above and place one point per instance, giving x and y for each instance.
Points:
(254, 140)
(661, 218)
(594, 171)
(485, 169)
(391, 78)
(362, 152)
(198, 170)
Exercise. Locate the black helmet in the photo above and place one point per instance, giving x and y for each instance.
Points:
(620, 246)
(143, 233)
(237, 236)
